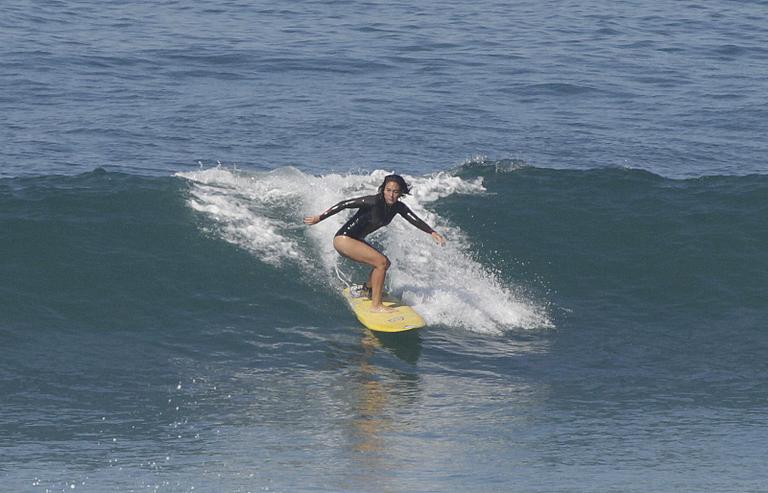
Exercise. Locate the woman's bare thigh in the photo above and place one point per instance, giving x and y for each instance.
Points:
(359, 251)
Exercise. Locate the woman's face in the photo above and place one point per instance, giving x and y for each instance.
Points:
(392, 192)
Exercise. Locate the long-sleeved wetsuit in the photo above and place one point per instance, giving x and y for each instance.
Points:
(373, 213)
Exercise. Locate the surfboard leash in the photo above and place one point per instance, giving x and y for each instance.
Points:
(342, 279)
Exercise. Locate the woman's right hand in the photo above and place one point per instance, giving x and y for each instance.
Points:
(440, 239)
(311, 220)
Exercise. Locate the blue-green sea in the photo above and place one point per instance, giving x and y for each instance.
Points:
(596, 321)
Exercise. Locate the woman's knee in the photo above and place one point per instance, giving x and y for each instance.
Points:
(383, 263)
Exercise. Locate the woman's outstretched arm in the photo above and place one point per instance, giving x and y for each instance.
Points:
(412, 218)
(355, 203)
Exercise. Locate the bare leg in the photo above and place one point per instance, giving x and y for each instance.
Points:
(361, 251)
(369, 282)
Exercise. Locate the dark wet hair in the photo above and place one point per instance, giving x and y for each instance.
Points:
(404, 188)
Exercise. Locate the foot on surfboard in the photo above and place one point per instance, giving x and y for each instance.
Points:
(402, 318)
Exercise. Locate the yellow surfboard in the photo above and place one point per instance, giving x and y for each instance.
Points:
(403, 318)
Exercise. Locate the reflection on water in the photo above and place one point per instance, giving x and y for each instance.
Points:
(383, 394)
(370, 420)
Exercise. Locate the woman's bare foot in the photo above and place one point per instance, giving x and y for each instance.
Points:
(382, 309)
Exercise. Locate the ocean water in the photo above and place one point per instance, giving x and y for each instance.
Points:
(596, 321)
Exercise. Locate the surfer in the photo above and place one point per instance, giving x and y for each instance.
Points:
(373, 212)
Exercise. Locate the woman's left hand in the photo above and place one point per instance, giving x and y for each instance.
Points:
(438, 238)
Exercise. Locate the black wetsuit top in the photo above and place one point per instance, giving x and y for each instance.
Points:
(372, 213)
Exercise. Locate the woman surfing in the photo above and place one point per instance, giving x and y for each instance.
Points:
(373, 212)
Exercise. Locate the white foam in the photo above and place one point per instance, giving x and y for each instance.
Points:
(262, 212)
(445, 284)
(240, 207)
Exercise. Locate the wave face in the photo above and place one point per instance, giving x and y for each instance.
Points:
(637, 244)
(527, 246)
